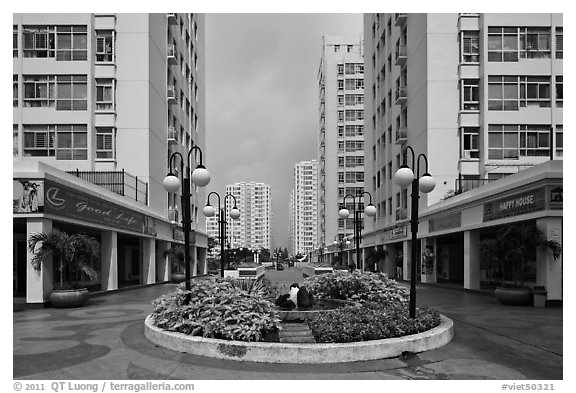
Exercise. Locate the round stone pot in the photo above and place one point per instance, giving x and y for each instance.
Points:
(68, 298)
(178, 277)
(514, 296)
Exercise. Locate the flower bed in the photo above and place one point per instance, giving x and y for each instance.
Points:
(216, 308)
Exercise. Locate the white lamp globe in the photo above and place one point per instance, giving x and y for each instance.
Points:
(370, 210)
(426, 183)
(235, 213)
(171, 183)
(335, 242)
(347, 242)
(403, 176)
(201, 176)
(343, 213)
(208, 211)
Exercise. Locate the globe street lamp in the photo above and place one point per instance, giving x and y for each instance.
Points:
(369, 211)
(171, 183)
(403, 177)
(209, 211)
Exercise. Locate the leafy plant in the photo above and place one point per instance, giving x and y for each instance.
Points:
(356, 286)
(351, 324)
(260, 286)
(510, 249)
(75, 254)
(215, 308)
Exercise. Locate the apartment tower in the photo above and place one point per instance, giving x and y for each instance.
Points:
(304, 208)
(341, 137)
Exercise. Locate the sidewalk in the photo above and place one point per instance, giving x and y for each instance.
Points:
(105, 340)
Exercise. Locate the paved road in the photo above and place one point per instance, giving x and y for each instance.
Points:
(105, 340)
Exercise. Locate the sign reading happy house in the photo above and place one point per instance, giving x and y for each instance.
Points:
(67, 202)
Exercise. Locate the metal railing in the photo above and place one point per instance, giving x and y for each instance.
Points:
(120, 182)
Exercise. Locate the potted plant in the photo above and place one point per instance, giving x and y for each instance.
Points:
(75, 256)
(510, 249)
(177, 263)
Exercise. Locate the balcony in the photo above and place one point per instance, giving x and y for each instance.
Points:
(401, 135)
(171, 54)
(400, 19)
(172, 19)
(120, 182)
(173, 216)
(172, 136)
(171, 94)
(401, 214)
(400, 55)
(401, 96)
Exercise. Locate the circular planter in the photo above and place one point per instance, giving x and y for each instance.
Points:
(296, 353)
(178, 277)
(513, 296)
(68, 298)
(295, 315)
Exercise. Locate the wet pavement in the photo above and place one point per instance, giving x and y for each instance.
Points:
(105, 340)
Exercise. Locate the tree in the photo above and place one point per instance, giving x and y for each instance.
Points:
(74, 254)
(284, 253)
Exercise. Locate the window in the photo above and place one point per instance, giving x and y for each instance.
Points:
(340, 85)
(38, 41)
(65, 142)
(340, 115)
(336, 48)
(559, 88)
(354, 99)
(71, 43)
(105, 45)
(71, 93)
(15, 41)
(340, 162)
(390, 206)
(502, 44)
(340, 69)
(15, 140)
(39, 91)
(104, 94)
(14, 91)
(511, 141)
(354, 84)
(470, 99)
(340, 177)
(354, 130)
(105, 143)
(559, 43)
(469, 142)
(378, 181)
(390, 170)
(341, 131)
(559, 140)
(503, 93)
(352, 115)
(340, 146)
(535, 91)
(349, 48)
(340, 100)
(469, 47)
(535, 42)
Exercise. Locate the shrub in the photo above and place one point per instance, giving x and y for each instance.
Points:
(351, 324)
(260, 286)
(357, 286)
(215, 308)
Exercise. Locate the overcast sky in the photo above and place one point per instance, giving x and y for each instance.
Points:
(262, 98)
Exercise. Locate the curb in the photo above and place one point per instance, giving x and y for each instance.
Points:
(265, 352)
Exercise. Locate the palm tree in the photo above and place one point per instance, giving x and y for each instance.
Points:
(73, 253)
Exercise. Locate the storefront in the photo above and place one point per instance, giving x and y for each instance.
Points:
(133, 239)
(451, 233)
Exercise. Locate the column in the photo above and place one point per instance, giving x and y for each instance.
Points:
(194, 268)
(38, 282)
(163, 269)
(548, 269)
(109, 260)
(471, 259)
(407, 259)
(149, 260)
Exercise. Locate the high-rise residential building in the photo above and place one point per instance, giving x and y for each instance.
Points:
(254, 227)
(304, 208)
(213, 231)
(341, 137)
(481, 95)
(100, 103)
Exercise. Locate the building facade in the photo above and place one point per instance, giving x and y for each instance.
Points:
(304, 208)
(341, 136)
(100, 102)
(481, 95)
(253, 229)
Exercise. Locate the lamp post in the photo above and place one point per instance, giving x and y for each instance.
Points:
(200, 177)
(403, 177)
(369, 210)
(209, 211)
